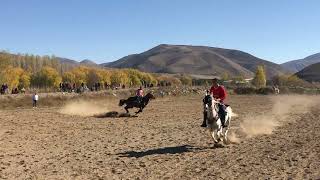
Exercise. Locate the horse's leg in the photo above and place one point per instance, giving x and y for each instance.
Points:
(214, 136)
(126, 108)
(225, 135)
(226, 130)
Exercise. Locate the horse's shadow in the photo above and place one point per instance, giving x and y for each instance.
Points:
(165, 150)
(115, 114)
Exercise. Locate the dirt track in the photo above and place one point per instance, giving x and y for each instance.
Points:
(164, 142)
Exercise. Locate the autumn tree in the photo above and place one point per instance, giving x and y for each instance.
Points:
(225, 76)
(119, 77)
(11, 76)
(93, 77)
(47, 77)
(105, 76)
(68, 77)
(259, 79)
(186, 80)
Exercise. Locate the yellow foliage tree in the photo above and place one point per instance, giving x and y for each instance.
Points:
(93, 77)
(12, 77)
(105, 76)
(47, 77)
(24, 80)
(80, 74)
(119, 77)
(260, 78)
(186, 80)
(68, 77)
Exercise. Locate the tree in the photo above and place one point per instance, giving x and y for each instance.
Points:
(93, 77)
(68, 77)
(119, 77)
(134, 77)
(186, 80)
(11, 76)
(105, 76)
(259, 79)
(80, 74)
(47, 77)
(24, 80)
(225, 76)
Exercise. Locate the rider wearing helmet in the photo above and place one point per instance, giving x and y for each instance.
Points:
(219, 93)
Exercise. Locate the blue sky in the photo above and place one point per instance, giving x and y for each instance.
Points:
(105, 30)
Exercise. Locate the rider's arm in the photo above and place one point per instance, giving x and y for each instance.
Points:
(222, 94)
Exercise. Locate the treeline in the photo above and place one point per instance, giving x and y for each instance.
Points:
(260, 80)
(32, 63)
(46, 72)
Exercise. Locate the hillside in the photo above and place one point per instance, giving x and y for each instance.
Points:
(200, 60)
(297, 65)
(310, 73)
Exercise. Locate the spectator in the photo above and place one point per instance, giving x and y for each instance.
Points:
(35, 99)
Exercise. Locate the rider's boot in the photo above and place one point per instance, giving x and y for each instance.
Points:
(204, 123)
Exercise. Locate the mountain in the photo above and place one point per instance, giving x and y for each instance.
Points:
(67, 61)
(74, 63)
(299, 64)
(87, 62)
(310, 73)
(201, 60)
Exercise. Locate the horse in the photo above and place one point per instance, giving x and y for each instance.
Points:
(276, 89)
(132, 102)
(214, 125)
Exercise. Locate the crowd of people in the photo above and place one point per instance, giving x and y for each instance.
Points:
(5, 90)
(72, 87)
(69, 87)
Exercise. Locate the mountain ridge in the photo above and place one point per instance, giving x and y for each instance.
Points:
(166, 58)
(299, 64)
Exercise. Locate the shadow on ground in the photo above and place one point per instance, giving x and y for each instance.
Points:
(165, 150)
(114, 114)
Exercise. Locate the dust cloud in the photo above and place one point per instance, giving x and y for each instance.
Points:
(284, 108)
(233, 138)
(85, 108)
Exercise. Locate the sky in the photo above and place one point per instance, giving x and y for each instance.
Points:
(106, 30)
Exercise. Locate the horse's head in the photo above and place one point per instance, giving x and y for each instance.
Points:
(150, 96)
(210, 105)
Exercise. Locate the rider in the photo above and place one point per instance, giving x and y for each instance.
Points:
(139, 94)
(219, 93)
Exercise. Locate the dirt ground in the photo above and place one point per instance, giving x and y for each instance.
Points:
(273, 138)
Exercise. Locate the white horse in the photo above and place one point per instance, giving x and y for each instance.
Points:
(211, 108)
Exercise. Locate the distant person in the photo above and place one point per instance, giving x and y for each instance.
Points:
(139, 94)
(23, 90)
(219, 94)
(35, 99)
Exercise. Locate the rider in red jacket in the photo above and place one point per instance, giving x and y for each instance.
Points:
(219, 93)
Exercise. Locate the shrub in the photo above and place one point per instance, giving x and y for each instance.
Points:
(245, 90)
(265, 91)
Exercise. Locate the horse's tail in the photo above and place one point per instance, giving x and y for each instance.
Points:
(122, 102)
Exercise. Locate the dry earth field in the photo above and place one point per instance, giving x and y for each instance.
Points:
(274, 137)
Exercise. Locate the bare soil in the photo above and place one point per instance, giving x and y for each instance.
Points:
(164, 142)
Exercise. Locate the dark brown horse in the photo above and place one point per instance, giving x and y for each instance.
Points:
(132, 102)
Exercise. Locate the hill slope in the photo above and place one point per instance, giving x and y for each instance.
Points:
(310, 73)
(299, 64)
(196, 60)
